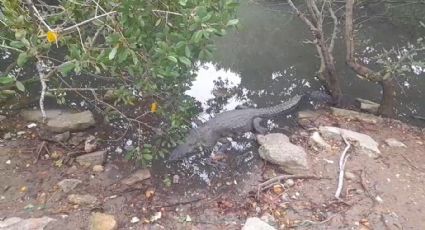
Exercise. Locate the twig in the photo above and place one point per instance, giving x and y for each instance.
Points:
(342, 161)
(269, 183)
(306, 223)
(85, 22)
(410, 163)
(37, 14)
(167, 12)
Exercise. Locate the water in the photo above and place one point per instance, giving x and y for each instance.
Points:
(267, 60)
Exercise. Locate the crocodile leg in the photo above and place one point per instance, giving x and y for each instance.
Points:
(258, 127)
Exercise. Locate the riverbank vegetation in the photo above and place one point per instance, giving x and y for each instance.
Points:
(146, 50)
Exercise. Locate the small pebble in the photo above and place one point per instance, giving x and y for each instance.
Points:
(32, 125)
(98, 168)
(176, 179)
(8, 162)
(134, 220)
(289, 183)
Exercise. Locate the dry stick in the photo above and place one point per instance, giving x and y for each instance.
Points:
(342, 162)
(269, 183)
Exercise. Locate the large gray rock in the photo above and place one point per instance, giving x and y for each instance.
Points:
(366, 144)
(139, 175)
(353, 115)
(35, 115)
(102, 221)
(68, 185)
(17, 223)
(95, 158)
(277, 149)
(60, 121)
(368, 106)
(255, 223)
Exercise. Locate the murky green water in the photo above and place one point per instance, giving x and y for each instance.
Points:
(267, 60)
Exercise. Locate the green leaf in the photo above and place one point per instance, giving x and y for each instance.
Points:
(66, 68)
(173, 59)
(17, 44)
(183, 2)
(147, 157)
(158, 22)
(197, 36)
(232, 22)
(6, 80)
(113, 53)
(187, 52)
(22, 59)
(20, 86)
(185, 61)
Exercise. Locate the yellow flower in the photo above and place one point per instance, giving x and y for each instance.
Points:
(154, 107)
(52, 36)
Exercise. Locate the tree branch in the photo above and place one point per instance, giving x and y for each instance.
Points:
(335, 28)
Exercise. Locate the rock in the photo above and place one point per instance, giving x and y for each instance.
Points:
(255, 223)
(392, 142)
(16, 223)
(318, 141)
(134, 220)
(268, 219)
(90, 144)
(2, 117)
(367, 145)
(350, 176)
(68, 184)
(98, 168)
(60, 121)
(102, 221)
(71, 122)
(20, 133)
(308, 114)
(139, 175)
(353, 115)
(62, 137)
(277, 149)
(7, 136)
(35, 115)
(289, 183)
(368, 106)
(77, 138)
(95, 158)
(176, 179)
(82, 199)
(109, 95)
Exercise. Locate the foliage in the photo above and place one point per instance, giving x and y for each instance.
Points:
(150, 47)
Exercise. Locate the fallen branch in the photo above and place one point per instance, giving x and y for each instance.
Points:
(342, 161)
(275, 180)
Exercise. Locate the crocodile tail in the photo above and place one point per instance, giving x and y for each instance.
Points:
(281, 108)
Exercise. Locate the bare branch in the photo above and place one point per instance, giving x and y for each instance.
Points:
(335, 28)
(68, 29)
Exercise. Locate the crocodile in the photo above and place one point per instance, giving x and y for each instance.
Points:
(230, 123)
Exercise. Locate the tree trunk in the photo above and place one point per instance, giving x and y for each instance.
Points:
(388, 102)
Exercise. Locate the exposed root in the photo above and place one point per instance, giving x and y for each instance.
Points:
(342, 161)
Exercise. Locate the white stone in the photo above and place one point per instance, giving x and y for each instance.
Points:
(277, 149)
(367, 145)
(392, 142)
(255, 223)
